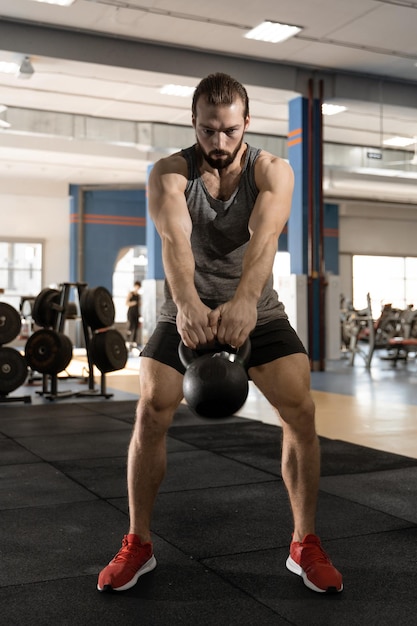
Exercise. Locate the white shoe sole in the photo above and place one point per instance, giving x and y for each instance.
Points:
(297, 569)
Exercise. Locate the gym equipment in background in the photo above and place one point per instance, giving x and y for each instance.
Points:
(106, 348)
(97, 307)
(13, 366)
(48, 351)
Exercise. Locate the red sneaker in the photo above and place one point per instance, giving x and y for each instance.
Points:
(309, 560)
(132, 561)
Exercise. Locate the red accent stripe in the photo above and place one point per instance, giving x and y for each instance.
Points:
(331, 232)
(109, 220)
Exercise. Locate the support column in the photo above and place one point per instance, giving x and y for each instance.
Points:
(305, 226)
(153, 285)
(298, 224)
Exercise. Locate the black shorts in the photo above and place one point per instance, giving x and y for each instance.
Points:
(268, 342)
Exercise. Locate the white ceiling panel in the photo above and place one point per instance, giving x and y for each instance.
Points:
(390, 27)
(368, 38)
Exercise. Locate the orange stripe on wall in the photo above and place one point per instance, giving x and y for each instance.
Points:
(297, 131)
(294, 142)
(331, 232)
(119, 220)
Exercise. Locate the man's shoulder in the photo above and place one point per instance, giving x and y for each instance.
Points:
(267, 160)
(269, 167)
(171, 164)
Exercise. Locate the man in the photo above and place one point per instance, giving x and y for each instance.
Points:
(219, 208)
(133, 303)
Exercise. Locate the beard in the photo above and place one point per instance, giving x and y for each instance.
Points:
(220, 159)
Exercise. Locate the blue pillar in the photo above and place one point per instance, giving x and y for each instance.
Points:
(298, 158)
(153, 245)
(153, 286)
(305, 226)
(154, 250)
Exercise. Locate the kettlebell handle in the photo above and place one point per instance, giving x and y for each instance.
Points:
(241, 355)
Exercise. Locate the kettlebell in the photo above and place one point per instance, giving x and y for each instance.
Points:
(215, 383)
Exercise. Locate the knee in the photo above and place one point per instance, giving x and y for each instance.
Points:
(299, 415)
(152, 419)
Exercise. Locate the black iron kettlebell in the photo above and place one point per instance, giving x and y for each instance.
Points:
(215, 383)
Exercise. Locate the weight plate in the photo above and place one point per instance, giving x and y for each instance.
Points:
(48, 352)
(97, 307)
(65, 352)
(46, 307)
(108, 350)
(10, 323)
(13, 370)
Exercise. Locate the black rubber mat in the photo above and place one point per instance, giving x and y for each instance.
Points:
(221, 525)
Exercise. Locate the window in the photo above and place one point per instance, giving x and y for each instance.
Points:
(388, 280)
(20, 270)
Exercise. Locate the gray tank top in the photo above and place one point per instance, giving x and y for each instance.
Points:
(219, 239)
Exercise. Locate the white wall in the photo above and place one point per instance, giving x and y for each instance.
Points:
(372, 228)
(377, 229)
(39, 211)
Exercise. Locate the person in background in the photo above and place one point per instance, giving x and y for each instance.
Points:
(133, 303)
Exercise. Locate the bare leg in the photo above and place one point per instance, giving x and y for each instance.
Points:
(161, 393)
(285, 383)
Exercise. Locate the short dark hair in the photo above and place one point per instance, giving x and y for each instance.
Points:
(218, 89)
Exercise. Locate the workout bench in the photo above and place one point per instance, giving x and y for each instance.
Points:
(401, 346)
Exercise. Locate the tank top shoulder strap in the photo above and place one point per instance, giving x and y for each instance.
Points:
(190, 156)
(249, 167)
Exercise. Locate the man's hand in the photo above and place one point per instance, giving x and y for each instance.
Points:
(234, 321)
(195, 325)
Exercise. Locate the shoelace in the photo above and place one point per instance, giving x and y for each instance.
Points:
(316, 554)
(127, 551)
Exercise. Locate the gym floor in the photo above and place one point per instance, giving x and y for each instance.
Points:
(222, 523)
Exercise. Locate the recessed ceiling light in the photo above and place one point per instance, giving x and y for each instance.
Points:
(400, 142)
(7, 67)
(332, 109)
(273, 32)
(177, 90)
(61, 3)
(26, 69)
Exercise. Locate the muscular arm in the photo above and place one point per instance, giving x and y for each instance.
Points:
(274, 178)
(169, 212)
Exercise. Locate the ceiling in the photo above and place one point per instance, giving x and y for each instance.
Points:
(108, 59)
